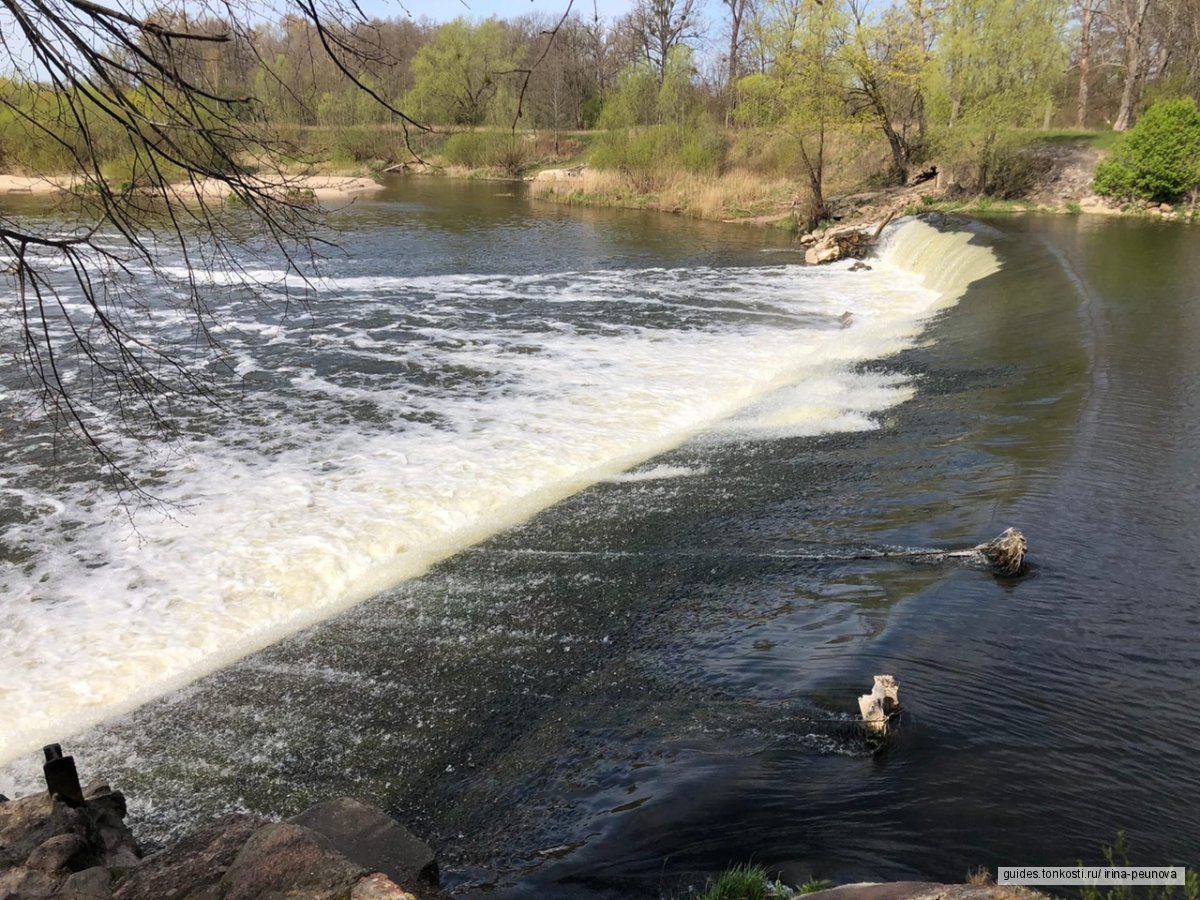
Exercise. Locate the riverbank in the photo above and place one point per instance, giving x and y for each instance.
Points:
(319, 187)
(74, 844)
(1061, 185)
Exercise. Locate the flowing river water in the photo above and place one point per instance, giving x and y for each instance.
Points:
(534, 529)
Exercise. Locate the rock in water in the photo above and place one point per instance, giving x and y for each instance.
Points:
(371, 838)
(1006, 553)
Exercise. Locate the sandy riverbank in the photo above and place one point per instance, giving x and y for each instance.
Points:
(321, 187)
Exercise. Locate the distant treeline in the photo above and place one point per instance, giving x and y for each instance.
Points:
(949, 76)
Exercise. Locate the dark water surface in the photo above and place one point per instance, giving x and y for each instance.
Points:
(652, 679)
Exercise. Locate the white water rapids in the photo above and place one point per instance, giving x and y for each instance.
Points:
(468, 414)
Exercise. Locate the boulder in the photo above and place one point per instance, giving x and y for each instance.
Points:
(288, 860)
(825, 252)
(372, 839)
(64, 853)
(197, 862)
(89, 884)
(379, 887)
(19, 883)
(27, 823)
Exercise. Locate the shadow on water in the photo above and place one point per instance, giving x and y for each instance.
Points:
(640, 685)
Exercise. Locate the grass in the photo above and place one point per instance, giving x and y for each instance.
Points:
(745, 881)
(748, 881)
(738, 194)
(1118, 855)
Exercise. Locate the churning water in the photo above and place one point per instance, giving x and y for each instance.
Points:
(650, 674)
(409, 417)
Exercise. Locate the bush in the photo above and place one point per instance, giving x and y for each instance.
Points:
(365, 143)
(647, 155)
(1159, 159)
(510, 153)
(1003, 165)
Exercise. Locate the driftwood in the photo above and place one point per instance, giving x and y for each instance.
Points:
(1005, 553)
(879, 706)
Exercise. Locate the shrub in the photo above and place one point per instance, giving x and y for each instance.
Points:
(361, 144)
(510, 153)
(1002, 165)
(1159, 159)
(648, 154)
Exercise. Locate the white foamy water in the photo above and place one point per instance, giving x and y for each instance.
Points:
(415, 417)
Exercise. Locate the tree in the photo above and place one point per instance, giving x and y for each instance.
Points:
(1087, 14)
(738, 10)
(980, 77)
(803, 89)
(458, 75)
(659, 26)
(888, 58)
(1131, 18)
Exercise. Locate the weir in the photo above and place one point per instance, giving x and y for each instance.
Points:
(420, 415)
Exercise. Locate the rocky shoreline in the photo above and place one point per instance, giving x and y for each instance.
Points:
(72, 842)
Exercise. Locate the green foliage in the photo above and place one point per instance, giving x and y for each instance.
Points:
(1159, 159)
(982, 160)
(982, 75)
(741, 882)
(640, 99)
(510, 153)
(363, 144)
(1118, 855)
(457, 75)
(647, 155)
(634, 102)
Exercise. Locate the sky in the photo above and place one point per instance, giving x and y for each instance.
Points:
(445, 10)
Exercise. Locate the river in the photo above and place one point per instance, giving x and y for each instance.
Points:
(533, 526)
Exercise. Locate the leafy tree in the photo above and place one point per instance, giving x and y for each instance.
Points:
(1159, 158)
(459, 74)
(887, 56)
(983, 75)
(802, 91)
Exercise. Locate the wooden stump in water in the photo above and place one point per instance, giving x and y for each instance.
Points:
(1006, 552)
(881, 704)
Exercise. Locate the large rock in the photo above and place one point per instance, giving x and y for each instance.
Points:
(197, 862)
(372, 839)
(379, 887)
(288, 860)
(90, 884)
(825, 252)
(29, 822)
(18, 883)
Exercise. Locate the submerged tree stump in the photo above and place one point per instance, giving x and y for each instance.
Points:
(879, 706)
(1005, 553)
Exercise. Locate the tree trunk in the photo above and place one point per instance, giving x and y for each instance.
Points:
(1085, 52)
(901, 153)
(1133, 14)
(737, 9)
(918, 106)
